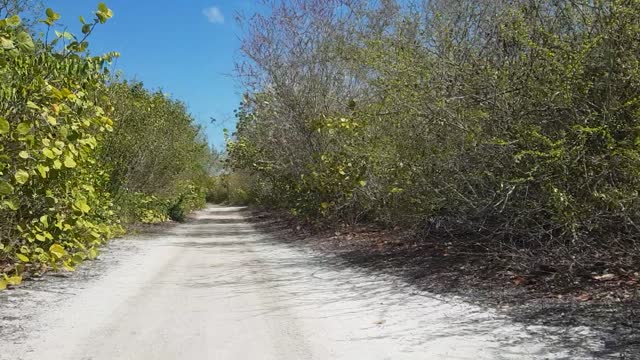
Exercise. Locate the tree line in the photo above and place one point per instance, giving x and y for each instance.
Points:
(514, 124)
(83, 153)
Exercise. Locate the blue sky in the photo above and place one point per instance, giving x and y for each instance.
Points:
(186, 48)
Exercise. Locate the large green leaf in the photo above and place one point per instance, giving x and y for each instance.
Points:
(23, 128)
(10, 205)
(43, 170)
(81, 204)
(103, 13)
(52, 15)
(16, 279)
(64, 34)
(48, 153)
(13, 21)
(25, 41)
(57, 250)
(5, 188)
(69, 162)
(21, 176)
(4, 126)
(6, 43)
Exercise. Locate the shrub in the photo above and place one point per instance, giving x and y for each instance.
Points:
(51, 125)
(70, 171)
(515, 121)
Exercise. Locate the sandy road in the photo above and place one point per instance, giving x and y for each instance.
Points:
(216, 288)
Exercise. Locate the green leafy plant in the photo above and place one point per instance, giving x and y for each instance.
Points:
(62, 189)
(513, 122)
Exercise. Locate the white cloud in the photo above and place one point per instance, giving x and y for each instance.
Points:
(214, 15)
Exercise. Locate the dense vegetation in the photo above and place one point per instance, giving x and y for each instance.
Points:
(514, 124)
(83, 153)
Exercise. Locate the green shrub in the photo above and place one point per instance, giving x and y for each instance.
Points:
(517, 121)
(217, 191)
(50, 125)
(66, 131)
(188, 199)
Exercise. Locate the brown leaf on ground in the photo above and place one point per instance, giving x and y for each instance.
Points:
(519, 280)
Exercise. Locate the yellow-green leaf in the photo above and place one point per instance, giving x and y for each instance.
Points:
(10, 204)
(43, 170)
(5, 188)
(6, 44)
(23, 128)
(14, 280)
(13, 21)
(4, 126)
(22, 258)
(24, 154)
(48, 153)
(104, 13)
(25, 41)
(21, 176)
(52, 15)
(69, 162)
(78, 258)
(57, 250)
(81, 204)
(68, 266)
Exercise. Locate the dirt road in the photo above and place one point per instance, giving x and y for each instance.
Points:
(216, 288)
